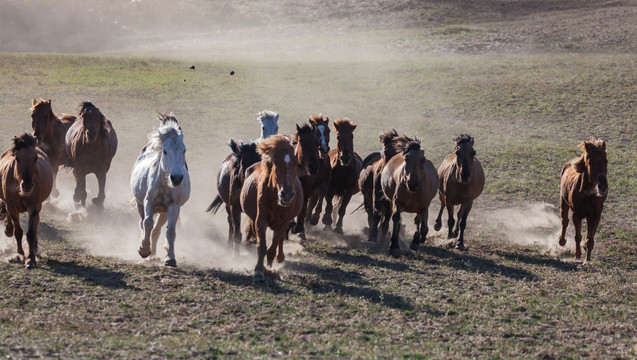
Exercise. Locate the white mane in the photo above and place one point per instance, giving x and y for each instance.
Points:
(170, 129)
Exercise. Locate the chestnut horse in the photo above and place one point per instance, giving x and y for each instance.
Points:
(49, 132)
(583, 189)
(27, 180)
(461, 182)
(410, 182)
(320, 126)
(272, 196)
(90, 143)
(306, 153)
(346, 166)
(377, 206)
(230, 178)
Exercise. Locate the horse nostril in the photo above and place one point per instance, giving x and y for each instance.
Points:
(176, 179)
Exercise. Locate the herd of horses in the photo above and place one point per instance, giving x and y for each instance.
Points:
(278, 181)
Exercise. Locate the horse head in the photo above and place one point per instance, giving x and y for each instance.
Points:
(269, 123)
(278, 155)
(173, 152)
(41, 116)
(464, 157)
(320, 126)
(344, 140)
(92, 121)
(246, 155)
(414, 157)
(596, 165)
(307, 149)
(26, 155)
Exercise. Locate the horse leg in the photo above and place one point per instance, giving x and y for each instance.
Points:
(463, 213)
(450, 221)
(173, 216)
(54, 170)
(564, 215)
(276, 237)
(329, 207)
(236, 223)
(79, 195)
(230, 225)
(386, 214)
(394, 248)
(154, 234)
(17, 231)
(299, 227)
(259, 269)
(416, 239)
(577, 222)
(341, 212)
(311, 206)
(32, 239)
(438, 224)
(592, 223)
(147, 227)
(101, 184)
(317, 209)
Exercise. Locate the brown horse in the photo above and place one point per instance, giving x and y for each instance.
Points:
(49, 131)
(320, 126)
(91, 143)
(461, 181)
(27, 180)
(410, 181)
(583, 189)
(346, 166)
(230, 178)
(272, 196)
(377, 205)
(306, 153)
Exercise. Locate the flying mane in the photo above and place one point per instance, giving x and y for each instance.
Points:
(168, 130)
(40, 102)
(579, 164)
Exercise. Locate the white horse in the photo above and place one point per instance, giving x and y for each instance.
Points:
(269, 124)
(161, 184)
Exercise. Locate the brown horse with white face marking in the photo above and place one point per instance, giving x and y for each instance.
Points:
(49, 132)
(320, 127)
(410, 181)
(346, 166)
(461, 181)
(26, 181)
(91, 144)
(583, 189)
(272, 196)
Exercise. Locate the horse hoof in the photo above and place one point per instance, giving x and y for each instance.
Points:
(258, 277)
(280, 258)
(338, 230)
(562, 241)
(414, 246)
(394, 252)
(29, 264)
(142, 253)
(437, 226)
(459, 246)
(372, 239)
(170, 262)
(313, 220)
(8, 231)
(327, 228)
(301, 236)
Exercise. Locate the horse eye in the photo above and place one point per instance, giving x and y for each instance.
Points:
(165, 152)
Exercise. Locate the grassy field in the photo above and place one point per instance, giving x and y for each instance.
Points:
(513, 294)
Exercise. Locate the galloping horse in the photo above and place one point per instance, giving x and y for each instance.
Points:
(346, 166)
(320, 127)
(91, 143)
(49, 132)
(272, 196)
(230, 178)
(26, 181)
(410, 181)
(306, 153)
(461, 181)
(583, 189)
(269, 123)
(161, 184)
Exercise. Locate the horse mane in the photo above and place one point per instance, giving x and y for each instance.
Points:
(463, 138)
(168, 130)
(22, 142)
(392, 143)
(344, 121)
(304, 129)
(274, 146)
(38, 103)
(86, 105)
(267, 114)
(317, 118)
(410, 144)
(593, 145)
(240, 150)
(167, 117)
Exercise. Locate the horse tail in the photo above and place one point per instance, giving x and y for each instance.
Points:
(215, 205)
(251, 232)
(3, 211)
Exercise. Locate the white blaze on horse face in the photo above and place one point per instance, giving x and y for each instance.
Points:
(287, 163)
(321, 129)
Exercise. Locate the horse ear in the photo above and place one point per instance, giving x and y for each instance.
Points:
(327, 120)
(33, 102)
(311, 121)
(336, 126)
(48, 101)
(603, 144)
(588, 146)
(233, 146)
(471, 141)
(297, 128)
(353, 127)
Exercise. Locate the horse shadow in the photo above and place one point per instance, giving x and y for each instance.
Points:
(92, 275)
(237, 279)
(540, 260)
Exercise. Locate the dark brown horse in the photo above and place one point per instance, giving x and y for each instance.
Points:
(583, 189)
(410, 181)
(230, 178)
(461, 181)
(272, 196)
(377, 206)
(91, 144)
(306, 153)
(26, 181)
(49, 132)
(320, 126)
(346, 166)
